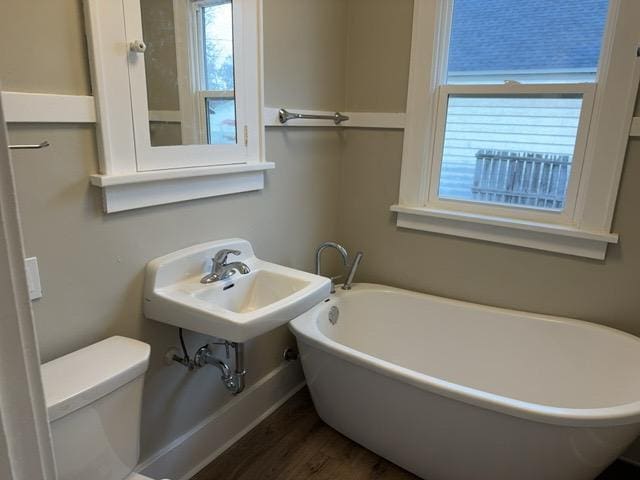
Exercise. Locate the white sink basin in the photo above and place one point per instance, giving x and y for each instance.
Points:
(236, 309)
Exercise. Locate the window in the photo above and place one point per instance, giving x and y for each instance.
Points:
(512, 98)
(510, 144)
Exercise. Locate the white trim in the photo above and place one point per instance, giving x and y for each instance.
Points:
(619, 75)
(165, 116)
(538, 77)
(191, 452)
(356, 119)
(594, 188)
(375, 120)
(549, 237)
(140, 190)
(108, 54)
(424, 77)
(160, 175)
(634, 131)
(26, 452)
(22, 107)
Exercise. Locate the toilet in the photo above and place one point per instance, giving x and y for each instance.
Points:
(94, 400)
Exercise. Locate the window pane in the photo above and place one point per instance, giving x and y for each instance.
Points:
(221, 120)
(218, 47)
(509, 149)
(541, 41)
(219, 72)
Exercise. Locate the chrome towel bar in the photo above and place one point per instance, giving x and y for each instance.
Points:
(44, 144)
(285, 116)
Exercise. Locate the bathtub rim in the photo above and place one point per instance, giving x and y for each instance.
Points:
(305, 328)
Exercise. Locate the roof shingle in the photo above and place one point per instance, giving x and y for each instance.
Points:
(526, 35)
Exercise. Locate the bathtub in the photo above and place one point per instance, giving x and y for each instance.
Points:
(457, 391)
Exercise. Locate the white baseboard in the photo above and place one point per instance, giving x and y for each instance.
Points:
(191, 452)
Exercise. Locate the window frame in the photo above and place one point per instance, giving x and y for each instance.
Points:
(583, 227)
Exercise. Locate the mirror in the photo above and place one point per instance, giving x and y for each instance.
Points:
(189, 62)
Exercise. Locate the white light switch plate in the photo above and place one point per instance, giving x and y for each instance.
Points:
(33, 278)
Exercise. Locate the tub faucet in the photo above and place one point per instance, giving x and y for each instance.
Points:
(352, 271)
(341, 250)
(221, 270)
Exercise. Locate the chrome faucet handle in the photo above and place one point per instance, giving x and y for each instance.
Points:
(220, 257)
(333, 282)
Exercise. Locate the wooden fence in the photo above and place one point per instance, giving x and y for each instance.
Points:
(523, 178)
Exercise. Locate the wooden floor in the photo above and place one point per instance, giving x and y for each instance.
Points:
(294, 444)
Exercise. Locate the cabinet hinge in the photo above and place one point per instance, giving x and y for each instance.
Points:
(246, 136)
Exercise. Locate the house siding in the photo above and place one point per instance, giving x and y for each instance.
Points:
(537, 125)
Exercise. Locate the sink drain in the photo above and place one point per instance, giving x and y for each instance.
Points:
(334, 314)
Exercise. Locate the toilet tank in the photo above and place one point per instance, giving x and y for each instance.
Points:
(94, 399)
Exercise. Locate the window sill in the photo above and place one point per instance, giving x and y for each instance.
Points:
(540, 236)
(145, 189)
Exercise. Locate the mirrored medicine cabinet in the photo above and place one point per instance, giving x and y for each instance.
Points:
(178, 88)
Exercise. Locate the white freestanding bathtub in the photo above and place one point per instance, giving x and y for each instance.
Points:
(457, 391)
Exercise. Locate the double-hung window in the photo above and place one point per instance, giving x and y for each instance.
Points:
(517, 120)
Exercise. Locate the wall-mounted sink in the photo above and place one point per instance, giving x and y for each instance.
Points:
(236, 309)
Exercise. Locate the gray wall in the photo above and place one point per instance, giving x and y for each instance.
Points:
(92, 264)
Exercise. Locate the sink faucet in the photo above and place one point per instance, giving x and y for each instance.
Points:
(221, 270)
(341, 250)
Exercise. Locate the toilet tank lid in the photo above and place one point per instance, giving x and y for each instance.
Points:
(82, 377)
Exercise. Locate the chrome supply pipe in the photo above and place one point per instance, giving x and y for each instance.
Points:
(240, 372)
(233, 381)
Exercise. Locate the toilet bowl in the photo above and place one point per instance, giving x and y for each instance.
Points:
(94, 400)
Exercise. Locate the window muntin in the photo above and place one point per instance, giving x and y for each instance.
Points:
(497, 144)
